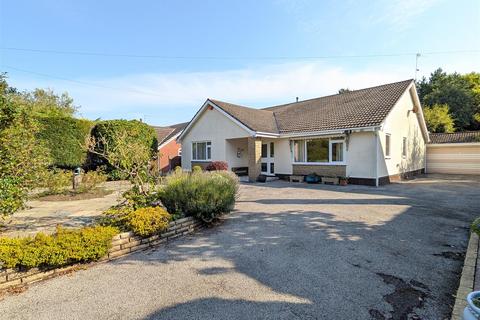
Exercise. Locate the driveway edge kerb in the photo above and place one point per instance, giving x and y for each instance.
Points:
(467, 279)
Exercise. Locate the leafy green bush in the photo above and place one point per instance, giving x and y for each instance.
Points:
(91, 180)
(12, 195)
(57, 181)
(138, 199)
(65, 137)
(143, 221)
(204, 195)
(117, 217)
(22, 158)
(475, 227)
(148, 221)
(122, 144)
(62, 248)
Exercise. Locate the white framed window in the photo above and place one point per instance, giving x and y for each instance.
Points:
(179, 153)
(202, 151)
(319, 151)
(404, 147)
(337, 150)
(387, 145)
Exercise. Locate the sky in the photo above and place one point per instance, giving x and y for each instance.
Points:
(160, 60)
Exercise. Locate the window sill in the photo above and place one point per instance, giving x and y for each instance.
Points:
(320, 163)
(201, 160)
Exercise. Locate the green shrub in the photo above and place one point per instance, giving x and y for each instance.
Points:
(110, 138)
(65, 137)
(204, 195)
(475, 227)
(117, 217)
(91, 180)
(62, 248)
(23, 159)
(141, 199)
(143, 221)
(148, 221)
(57, 181)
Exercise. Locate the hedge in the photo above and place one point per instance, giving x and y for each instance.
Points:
(110, 130)
(64, 247)
(65, 137)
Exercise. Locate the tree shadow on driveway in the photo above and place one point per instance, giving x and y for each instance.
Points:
(341, 264)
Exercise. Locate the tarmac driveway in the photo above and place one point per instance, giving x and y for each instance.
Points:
(290, 251)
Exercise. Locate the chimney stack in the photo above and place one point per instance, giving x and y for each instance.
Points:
(297, 99)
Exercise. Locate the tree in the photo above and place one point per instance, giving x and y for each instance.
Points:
(41, 102)
(459, 92)
(23, 160)
(121, 145)
(438, 118)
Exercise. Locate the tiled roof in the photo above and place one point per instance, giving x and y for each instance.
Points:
(457, 137)
(165, 133)
(254, 119)
(354, 109)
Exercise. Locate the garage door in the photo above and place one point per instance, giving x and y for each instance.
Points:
(454, 158)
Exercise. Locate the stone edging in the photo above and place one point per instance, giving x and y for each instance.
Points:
(122, 244)
(468, 277)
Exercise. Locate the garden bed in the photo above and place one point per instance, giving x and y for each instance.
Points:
(121, 245)
(72, 195)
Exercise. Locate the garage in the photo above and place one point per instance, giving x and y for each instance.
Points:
(454, 153)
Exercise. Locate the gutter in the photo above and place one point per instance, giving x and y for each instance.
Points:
(315, 133)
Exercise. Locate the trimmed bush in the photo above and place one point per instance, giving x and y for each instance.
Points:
(148, 221)
(217, 166)
(91, 180)
(62, 248)
(112, 135)
(57, 181)
(143, 221)
(205, 195)
(65, 138)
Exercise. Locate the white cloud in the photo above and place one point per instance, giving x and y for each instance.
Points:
(185, 92)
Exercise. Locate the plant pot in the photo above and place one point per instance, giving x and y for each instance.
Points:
(471, 312)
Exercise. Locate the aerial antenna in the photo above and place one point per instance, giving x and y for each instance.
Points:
(416, 64)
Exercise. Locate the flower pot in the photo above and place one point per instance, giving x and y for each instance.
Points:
(471, 312)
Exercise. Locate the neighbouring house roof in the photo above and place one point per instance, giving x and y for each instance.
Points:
(457, 137)
(354, 109)
(166, 133)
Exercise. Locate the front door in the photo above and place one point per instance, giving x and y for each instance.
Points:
(268, 155)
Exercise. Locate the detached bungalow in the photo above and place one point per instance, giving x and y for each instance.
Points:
(371, 136)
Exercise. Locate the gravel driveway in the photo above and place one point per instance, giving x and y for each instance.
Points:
(290, 251)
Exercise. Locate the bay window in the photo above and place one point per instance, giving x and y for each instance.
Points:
(327, 151)
(202, 151)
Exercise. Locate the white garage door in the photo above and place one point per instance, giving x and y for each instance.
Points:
(453, 158)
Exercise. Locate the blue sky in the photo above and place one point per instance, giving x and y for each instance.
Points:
(255, 53)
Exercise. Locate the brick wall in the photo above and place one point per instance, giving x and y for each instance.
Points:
(122, 244)
(326, 170)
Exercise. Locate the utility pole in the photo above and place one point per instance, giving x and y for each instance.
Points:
(417, 56)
